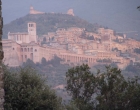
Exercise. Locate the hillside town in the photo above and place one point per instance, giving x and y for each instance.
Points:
(73, 45)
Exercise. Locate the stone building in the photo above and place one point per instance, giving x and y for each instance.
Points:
(25, 37)
(64, 43)
(33, 11)
(70, 12)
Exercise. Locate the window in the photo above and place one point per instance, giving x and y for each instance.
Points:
(31, 50)
(25, 50)
(35, 50)
(31, 25)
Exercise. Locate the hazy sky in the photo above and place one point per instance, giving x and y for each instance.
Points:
(120, 15)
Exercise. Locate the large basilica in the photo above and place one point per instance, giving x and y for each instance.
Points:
(64, 43)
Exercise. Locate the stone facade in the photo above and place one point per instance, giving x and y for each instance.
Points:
(64, 43)
(25, 37)
(1, 57)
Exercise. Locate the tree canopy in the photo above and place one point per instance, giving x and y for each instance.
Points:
(26, 90)
(107, 90)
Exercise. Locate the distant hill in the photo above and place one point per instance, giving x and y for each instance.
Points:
(48, 22)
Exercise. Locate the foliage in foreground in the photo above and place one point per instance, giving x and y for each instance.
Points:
(25, 90)
(107, 90)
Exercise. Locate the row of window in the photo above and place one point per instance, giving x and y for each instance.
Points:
(25, 57)
(28, 50)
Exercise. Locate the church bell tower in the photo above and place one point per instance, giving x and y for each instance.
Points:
(32, 31)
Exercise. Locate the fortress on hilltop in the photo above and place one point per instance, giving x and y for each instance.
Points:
(33, 11)
(67, 45)
(70, 12)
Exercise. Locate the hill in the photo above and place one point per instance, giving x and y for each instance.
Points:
(48, 22)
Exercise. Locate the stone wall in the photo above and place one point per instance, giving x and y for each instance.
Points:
(1, 57)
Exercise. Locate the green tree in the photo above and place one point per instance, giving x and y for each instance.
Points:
(81, 84)
(25, 90)
(111, 90)
(107, 90)
(71, 106)
(28, 63)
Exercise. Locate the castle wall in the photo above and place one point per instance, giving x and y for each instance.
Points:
(32, 11)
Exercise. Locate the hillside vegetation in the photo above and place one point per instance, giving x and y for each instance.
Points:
(48, 22)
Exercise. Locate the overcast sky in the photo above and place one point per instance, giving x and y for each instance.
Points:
(120, 15)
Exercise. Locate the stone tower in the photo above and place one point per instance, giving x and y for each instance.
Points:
(1, 57)
(70, 12)
(32, 31)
